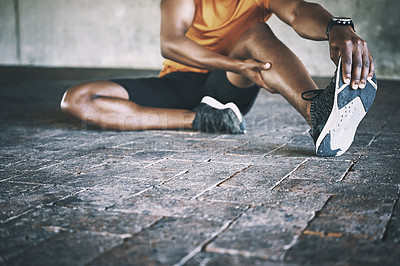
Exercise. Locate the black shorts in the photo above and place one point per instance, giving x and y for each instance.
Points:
(184, 90)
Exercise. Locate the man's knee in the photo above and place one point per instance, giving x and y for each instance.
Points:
(76, 97)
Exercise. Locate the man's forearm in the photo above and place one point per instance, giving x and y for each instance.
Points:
(186, 51)
(311, 20)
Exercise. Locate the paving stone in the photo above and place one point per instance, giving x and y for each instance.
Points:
(344, 221)
(164, 244)
(33, 159)
(232, 257)
(28, 200)
(375, 169)
(361, 142)
(357, 216)
(305, 201)
(174, 207)
(74, 141)
(160, 171)
(172, 238)
(8, 190)
(259, 146)
(183, 142)
(108, 194)
(264, 175)
(392, 233)
(67, 249)
(157, 142)
(376, 253)
(316, 250)
(33, 228)
(228, 158)
(18, 237)
(52, 177)
(242, 154)
(6, 175)
(80, 219)
(386, 144)
(393, 125)
(197, 180)
(332, 187)
(295, 149)
(264, 232)
(97, 168)
(194, 156)
(321, 169)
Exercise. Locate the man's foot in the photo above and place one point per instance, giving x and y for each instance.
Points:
(336, 113)
(215, 117)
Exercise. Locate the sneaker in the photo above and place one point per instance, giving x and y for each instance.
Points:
(336, 113)
(215, 117)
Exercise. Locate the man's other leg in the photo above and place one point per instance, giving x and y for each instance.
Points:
(333, 113)
(107, 105)
(287, 76)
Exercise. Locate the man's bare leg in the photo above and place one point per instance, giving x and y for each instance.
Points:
(287, 75)
(107, 105)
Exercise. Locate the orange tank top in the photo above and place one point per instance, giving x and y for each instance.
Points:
(218, 24)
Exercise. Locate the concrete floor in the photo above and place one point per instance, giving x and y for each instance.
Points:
(73, 195)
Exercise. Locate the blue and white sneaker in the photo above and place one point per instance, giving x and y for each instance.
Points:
(336, 113)
(215, 117)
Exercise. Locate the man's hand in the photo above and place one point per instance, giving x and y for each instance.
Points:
(358, 64)
(251, 69)
(310, 20)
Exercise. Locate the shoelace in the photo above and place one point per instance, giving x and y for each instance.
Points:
(310, 95)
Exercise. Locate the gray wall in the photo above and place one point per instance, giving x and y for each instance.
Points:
(124, 33)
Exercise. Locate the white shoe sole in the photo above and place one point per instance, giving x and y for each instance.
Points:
(349, 108)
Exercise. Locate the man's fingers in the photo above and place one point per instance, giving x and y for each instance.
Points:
(357, 62)
(263, 66)
(335, 55)
(260, 81)
(371, 66)
(267, 66)
(347, 63)
(357, 69)
(365, 71)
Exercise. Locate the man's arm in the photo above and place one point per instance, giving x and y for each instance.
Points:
(310, 21)
(176, 18)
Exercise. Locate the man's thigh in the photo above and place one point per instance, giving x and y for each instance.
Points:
(178, 90)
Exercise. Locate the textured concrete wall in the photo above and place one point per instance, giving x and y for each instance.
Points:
(124, 33)
(8, 33)
(90, 33)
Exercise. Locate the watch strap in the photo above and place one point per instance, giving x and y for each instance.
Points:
(339, 22)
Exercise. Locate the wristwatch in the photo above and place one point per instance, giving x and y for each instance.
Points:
(340, 21)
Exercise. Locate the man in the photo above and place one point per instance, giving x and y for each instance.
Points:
(219, 53)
